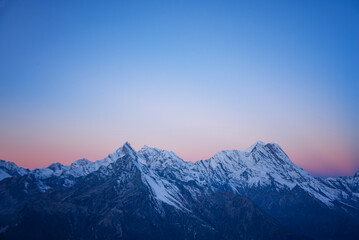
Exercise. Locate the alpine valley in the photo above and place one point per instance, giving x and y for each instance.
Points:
(153, 194)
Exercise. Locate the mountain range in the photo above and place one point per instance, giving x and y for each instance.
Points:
(258, 193)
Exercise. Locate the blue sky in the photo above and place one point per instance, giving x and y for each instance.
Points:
(79, 78)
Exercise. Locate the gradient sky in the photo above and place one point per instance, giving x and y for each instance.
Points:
(79, 78)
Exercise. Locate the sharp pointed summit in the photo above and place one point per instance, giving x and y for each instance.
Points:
(124, 149)
(162, 184)
(258, 143)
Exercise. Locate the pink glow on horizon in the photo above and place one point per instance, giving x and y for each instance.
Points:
(321, 162)
(70, 95)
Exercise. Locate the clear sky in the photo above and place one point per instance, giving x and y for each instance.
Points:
(79, 78)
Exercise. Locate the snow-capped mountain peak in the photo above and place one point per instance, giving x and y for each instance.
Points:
(124, 149)
(170, 185)
(10, 169)
(256, 144)
(260, 166)
(56, 166)
(158, 158)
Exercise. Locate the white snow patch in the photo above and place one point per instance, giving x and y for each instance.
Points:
(4, 175)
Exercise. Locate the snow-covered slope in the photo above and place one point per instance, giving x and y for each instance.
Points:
(173, 181)
(80, 167)
(77, 169)
(349, 185)
(157, 186)
(262, 165)
(10, 169)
